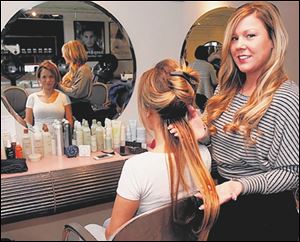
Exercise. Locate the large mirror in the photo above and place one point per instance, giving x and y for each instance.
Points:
(208, 30)
(38, 34)
(201, 50)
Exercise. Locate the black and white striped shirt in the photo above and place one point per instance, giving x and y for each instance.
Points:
(272, 164)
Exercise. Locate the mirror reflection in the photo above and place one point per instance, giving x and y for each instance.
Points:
(202, 50)
(38, 34)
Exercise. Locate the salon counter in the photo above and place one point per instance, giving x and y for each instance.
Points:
(58, 184)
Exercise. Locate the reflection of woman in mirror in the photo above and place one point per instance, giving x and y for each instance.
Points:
(48, 104)
(77, 83)
(215, 57)
(208, 78)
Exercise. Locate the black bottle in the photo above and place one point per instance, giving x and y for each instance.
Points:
(10, 154)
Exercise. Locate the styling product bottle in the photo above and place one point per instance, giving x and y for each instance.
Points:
(122, 139)
(128, 134)
(59, 140)
(93, 143)
(38, 147)
(47, 140)
(132, 125)
(5, 135)
(116, 131)
(93, 127)
(79, 135)
(53, 145)
(108, 139)
(13, 144)
(9, 151)
(67, 135)
(86, 134)
(141, 137)
(19, 151)
(100, 138)
(26, 142)
(3, 153)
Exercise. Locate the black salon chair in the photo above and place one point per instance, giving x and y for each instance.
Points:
(103, 71)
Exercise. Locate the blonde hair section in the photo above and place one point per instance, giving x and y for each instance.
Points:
(231, 79)
(75, 52)
(159, 92)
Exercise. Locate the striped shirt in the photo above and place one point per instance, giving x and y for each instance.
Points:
(271, 165)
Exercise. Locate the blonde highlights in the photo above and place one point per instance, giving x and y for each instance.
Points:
(231, 80)
(74, 52)
(169, 97)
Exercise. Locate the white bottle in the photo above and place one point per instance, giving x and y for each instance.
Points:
(26, 143)
(38, 147)
(3, 153)
(47, 143)
(93, 143)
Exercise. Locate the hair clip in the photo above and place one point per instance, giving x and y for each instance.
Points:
(190, 79)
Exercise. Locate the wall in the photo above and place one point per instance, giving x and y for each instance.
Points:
(157, 29)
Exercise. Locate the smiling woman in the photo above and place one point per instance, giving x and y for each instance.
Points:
(45, 106)
(30, 39)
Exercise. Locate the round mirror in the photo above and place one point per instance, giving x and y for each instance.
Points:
(34, 35)
(202, 50)
(208, 31)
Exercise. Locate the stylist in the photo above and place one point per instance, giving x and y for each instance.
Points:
(77, 82)
(253, 120)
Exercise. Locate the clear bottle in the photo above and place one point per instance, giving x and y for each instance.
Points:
(26, 142)
(108, 139)
(100, 138)
(86, 134)
(93, 126)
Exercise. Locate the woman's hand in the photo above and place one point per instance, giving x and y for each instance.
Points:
(229, 190)
(198, 126)
(226, 191)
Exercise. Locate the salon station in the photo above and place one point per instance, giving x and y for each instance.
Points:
(78, 181)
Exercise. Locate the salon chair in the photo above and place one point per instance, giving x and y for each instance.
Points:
(103, 71)
(158, 224)
(99, 97)
(17, 98)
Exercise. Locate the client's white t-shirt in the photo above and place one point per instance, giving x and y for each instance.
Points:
(46, 113)
(145, 177)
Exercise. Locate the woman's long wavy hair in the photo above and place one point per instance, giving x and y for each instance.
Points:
(169, 96)
(231, 80)
(75, 52)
